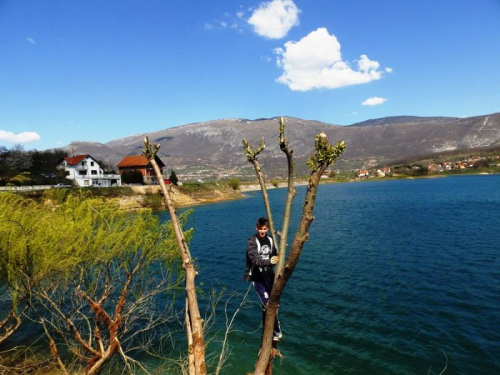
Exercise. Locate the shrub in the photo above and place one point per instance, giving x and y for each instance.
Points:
(234, 183)
(153, 200)
(275, 183)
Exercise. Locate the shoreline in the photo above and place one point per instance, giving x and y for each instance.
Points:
(244, 188)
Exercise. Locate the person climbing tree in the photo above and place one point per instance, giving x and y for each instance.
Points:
(260, 260)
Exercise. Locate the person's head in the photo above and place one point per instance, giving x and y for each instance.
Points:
(262, 226)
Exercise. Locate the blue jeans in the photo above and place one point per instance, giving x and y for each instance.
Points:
(263, 289)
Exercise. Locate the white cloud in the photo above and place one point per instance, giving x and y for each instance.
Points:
(388, 70)
(23, 137)
(274, 19)
(374, 101)
(208, 26)
(315, 61)
(31, 40)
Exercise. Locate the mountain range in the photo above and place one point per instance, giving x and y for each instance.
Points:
(213, 148)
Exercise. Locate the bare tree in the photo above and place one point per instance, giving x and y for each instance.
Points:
(194, 322)
(324, 155)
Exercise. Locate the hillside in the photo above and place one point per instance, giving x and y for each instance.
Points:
(213, 148)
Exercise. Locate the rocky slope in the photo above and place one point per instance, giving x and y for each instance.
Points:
(216, 145)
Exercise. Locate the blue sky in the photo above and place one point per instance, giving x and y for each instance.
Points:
(102, 70)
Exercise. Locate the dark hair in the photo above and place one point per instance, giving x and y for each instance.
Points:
(262, 222)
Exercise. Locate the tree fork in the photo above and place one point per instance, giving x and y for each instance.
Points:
(325, 155)
(195, 320)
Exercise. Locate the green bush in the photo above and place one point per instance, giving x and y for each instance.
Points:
(234, 183)
(153, 200)
(173, 178)
(275, 183)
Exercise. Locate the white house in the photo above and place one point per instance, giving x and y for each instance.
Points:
(85, 171)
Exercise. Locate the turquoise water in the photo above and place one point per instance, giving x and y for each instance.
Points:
(395, 276)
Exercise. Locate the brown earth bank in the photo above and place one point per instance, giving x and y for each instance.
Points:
(181, 197)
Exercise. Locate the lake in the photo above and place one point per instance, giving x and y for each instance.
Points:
(398, 277)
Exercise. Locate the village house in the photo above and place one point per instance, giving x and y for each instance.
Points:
(141, 164)
(447, 165)
(363, 173)
(433, 168)
(86, 172)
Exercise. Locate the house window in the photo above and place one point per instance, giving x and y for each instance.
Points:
(91, 163)
(84, 163)
(82, 173)
(93, 172)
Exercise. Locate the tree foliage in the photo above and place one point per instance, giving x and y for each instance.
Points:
(90, 274)
(173, 178)
(234, 183)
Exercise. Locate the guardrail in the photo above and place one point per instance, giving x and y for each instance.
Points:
(25, 188)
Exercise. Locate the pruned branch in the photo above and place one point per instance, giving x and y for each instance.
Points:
(251, 155)
(325, 154)
(195, 326)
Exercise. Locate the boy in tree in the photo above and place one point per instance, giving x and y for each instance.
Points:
(261, 258)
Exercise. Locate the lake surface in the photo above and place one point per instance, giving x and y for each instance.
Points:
(396, 276)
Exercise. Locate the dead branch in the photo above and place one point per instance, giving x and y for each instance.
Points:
(229, 325)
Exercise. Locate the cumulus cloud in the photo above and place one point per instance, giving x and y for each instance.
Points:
(315, 61)
(31, 40)
(274, 19)
(374, 101)
(24, 137)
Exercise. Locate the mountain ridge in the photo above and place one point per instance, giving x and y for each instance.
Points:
(215, 146)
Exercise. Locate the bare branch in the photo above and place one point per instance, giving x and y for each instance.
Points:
(196, 323)
(251, 155)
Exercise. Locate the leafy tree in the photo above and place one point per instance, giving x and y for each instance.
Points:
(18, 160)
(92, 276)
(482, 163)
(173, 178)
(331, 175)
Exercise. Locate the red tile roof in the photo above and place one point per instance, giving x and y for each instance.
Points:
(75, 159)
(137, 161)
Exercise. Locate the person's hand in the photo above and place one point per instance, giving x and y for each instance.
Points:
(274, 260)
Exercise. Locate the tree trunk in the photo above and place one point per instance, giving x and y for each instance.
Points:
(195, 320)
(325, 154)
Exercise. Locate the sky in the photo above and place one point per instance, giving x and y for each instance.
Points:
(93, 70)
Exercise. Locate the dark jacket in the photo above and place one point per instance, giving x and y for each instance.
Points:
(254, 258)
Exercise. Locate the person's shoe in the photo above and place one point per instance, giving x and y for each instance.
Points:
(277, 336)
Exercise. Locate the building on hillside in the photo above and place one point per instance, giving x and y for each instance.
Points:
(363, 173)
(433, 168)
(386, 170)
(86, 172)
(141, 164)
